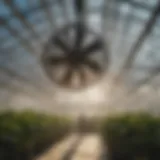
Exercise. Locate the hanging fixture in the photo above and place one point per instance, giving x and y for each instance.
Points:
(74, 56)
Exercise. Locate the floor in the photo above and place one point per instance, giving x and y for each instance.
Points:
(75, 147)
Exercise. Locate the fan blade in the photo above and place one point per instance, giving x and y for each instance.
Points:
(93, 65)
(59, 42)
(67, 77)
(79, 35)
(95, 46)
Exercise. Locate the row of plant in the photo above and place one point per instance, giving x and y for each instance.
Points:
(25, 134)
(132, 137)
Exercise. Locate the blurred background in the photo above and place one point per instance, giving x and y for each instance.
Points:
(130, 29)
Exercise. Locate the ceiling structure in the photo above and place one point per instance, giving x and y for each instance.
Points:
(130, 27)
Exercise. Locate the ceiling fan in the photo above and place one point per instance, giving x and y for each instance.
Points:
(74, 56)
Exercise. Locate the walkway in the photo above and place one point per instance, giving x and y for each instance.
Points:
(75, 147)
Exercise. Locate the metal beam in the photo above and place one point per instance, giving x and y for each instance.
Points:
(105, 12)
(14, 75)
(15, 34)
(131, 92)
(136, 46)
(145, 81)
(63, 6)
(21, 17)
(48, 12)
(21, 89)
(34, 9)
(7, 49)
(127, 20)
(94, 9)
(141, 39)
(139, 5)
(13, 88)
(79, 10)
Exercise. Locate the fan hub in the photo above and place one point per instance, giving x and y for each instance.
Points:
(76, 57)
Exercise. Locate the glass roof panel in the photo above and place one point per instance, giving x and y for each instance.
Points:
(125, 20)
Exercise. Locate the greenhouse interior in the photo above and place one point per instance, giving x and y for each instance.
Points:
(79, 80)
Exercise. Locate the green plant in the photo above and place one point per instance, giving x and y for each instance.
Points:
(24, 134)
(132, 136)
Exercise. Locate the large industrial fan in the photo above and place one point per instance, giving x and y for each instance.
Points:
(75, 56)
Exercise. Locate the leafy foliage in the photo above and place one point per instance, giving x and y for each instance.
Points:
(25, 134)
(132, 136)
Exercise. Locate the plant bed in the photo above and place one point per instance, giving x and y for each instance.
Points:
(132, 137)
(25, 134)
